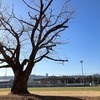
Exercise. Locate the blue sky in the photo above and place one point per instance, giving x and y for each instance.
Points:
(83, 36)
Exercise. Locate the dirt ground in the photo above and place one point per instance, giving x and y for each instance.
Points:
(68, 93)
(50, 95)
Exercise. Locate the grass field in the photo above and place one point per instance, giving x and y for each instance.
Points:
(4, 89)
(65, 89)
(56, 89)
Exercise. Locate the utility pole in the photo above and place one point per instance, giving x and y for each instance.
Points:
(82, 71)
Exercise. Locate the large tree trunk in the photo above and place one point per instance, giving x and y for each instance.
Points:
(20, 83)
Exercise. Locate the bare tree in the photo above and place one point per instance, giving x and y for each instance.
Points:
(35, 37)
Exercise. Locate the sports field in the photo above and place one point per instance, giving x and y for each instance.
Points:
(60, 91)
(57, 89)
(54, 93)
(64, 89)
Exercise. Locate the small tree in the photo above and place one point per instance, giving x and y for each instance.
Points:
(35, 37)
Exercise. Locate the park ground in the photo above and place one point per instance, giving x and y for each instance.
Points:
(61, 93)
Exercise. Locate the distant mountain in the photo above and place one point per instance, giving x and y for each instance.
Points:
(30, 78)
(36, 77)
(6, 77)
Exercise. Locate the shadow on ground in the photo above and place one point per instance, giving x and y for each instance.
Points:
(41, 97)
(37, 97)
(58, 98)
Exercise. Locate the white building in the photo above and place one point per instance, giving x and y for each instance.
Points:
(6, 83)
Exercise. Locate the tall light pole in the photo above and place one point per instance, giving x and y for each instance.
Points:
(82, 71)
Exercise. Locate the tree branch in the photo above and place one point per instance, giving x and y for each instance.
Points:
(30, 6)
(55, 28)
(5, 66)
(10, 29)
(2, 61)
(25, 61)
(47, 6)
(41, 57)
(58, 60)
(6, 57)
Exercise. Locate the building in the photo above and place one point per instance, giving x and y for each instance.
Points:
(63, 81)
(4, 83)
